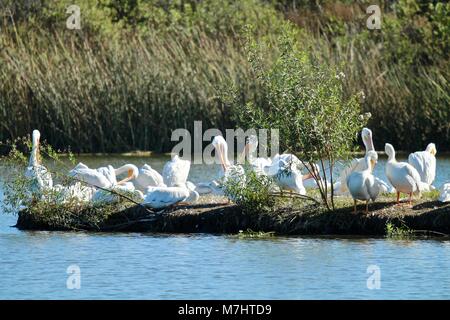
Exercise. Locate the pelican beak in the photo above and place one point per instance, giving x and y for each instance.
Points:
(221, 156)
(244, 153)
(372, 165)
(307, 176)
(433, 151)
(38, 152)
(129, 177)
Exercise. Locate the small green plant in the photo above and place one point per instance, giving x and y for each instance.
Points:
(401, 232)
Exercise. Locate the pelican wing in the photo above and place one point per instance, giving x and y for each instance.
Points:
(425, 164)
(176, 171)
(161, 197)
(354, 165)
(110, 174)
(90, 176)
(384, 186)
(414, 177)
(40, 176)
(148, 177)
(373, 187)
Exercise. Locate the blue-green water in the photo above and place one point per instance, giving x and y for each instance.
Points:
(33, 265)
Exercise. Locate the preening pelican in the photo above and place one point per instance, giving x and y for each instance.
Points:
(131, 170)
(425, 163)
(148, 177)
(340, 187)
(362, 184)
(123, 187)
(289, 178)
(104, 177)
(403, 176)
(161, 197)
(176, 171)
(444, 192)
(36, 172)
(286, 173)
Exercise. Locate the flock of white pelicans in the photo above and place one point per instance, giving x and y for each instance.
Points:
(171, 187)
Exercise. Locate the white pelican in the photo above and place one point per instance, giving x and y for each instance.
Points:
(289, 178)
(124, 186)
(425, 163)
(36, 172)
(340, 187)
(161, 197)
(284, 168)
(229, 171)
(250, 149)
(362, 184)
(444, 192)
(131, 170)
(42, 179)
(148, 177)
(286, 173)
(176, 171)
(403, 176)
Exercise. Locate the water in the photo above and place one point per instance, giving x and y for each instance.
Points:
(34, 265)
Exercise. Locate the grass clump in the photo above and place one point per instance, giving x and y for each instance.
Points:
(398, 232)
(250, 234)
(251, 191)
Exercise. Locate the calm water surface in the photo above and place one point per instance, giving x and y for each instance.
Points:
(33, 265)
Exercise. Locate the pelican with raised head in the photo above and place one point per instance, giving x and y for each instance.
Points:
(362, 184)
(36, 172)
(229, 170)
(340, 187)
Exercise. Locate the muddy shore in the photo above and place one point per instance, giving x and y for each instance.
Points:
(225, 218)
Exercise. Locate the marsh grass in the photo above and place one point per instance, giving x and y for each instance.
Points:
(132, 76)
(112, 96)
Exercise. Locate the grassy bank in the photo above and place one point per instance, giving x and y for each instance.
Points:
(138, 70)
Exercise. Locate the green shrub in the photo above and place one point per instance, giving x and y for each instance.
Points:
(253, 195)
(306, 102)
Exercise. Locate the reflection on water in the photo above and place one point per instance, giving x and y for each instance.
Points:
(153, 266)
